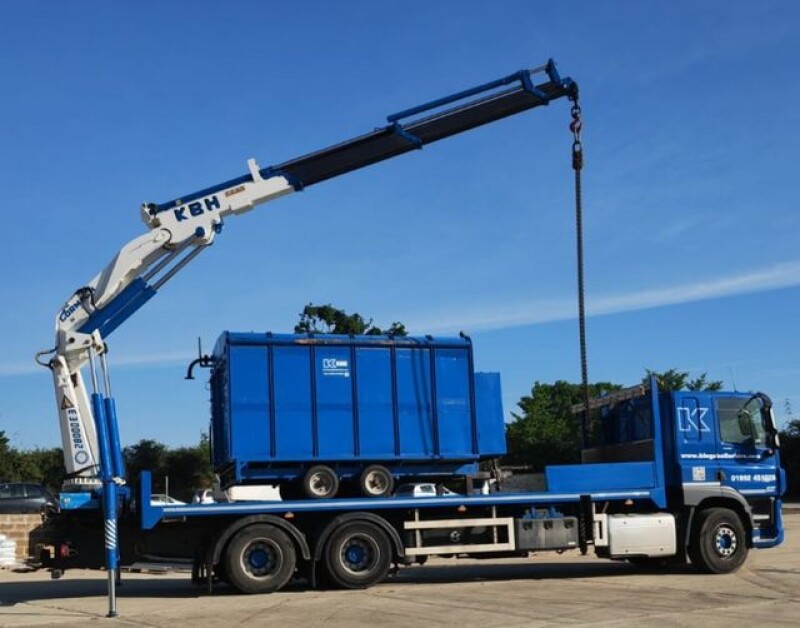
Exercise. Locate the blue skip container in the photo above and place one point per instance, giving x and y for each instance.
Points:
(287, 406)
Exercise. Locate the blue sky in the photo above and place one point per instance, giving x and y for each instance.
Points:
(692, 223)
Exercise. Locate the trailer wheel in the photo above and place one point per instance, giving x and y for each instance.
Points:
(357, 556)
(376, 481)
(260, 559)
(320, 482)
(719, 542)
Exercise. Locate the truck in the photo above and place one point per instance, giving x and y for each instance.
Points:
(668, 475)
(315, 413)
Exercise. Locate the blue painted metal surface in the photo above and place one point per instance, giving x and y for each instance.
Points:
(101, 426)
(84, 500)
(710, 445)
(110, 496)
(150, 515)
(117, 460)
(776, 538)
(284, 399)
(591, 478)
(489, 402)
(670, 440)
(119, 309)
(652, 481)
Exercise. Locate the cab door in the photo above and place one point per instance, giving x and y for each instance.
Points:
(695, 439)
(746, 462)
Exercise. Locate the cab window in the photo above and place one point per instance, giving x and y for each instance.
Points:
(740, 421)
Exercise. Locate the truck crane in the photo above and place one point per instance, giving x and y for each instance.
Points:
(676, 475)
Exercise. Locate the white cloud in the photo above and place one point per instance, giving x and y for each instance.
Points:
(119, 360)
(782, 275)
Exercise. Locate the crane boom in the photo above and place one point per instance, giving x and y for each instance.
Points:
(181, 228)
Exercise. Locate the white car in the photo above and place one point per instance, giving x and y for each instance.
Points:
(423, 489)
(160, 499)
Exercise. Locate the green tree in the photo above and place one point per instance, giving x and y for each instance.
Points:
(48, 465)
(674, 379)
(149, 455)
(44, 466)
(7, 458)
(189, 468)
(327, 319)
(544, 430)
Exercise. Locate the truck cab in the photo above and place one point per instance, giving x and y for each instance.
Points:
(694, 454)
(726, 448)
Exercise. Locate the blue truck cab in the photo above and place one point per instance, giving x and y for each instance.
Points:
(726, 448)
(692, 453)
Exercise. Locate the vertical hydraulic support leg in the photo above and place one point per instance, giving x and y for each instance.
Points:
(117, 461)
(109, 490)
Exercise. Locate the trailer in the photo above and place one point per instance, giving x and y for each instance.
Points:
(318, 412)
(666, 477)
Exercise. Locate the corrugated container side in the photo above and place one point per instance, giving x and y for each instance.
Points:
(299, 399)
(489, 409)
(378, 431)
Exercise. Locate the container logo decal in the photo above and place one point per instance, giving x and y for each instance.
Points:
(333, 367)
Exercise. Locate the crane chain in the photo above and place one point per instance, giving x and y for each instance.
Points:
(575, 126)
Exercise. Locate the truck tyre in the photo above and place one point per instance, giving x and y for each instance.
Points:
(376, 481)
(357, 555)
(719, 541)
(259, 559)
(320, 482)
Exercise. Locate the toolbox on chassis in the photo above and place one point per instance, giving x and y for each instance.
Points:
(306, 411)
(669, 476)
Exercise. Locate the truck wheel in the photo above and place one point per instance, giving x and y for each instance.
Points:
(260, 559)
(376, 481)
(719, 542)
(357, 556)
(320, 482)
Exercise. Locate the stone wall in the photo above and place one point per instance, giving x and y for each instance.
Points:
(18, 528)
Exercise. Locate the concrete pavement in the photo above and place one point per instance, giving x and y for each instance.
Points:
(542, 591)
